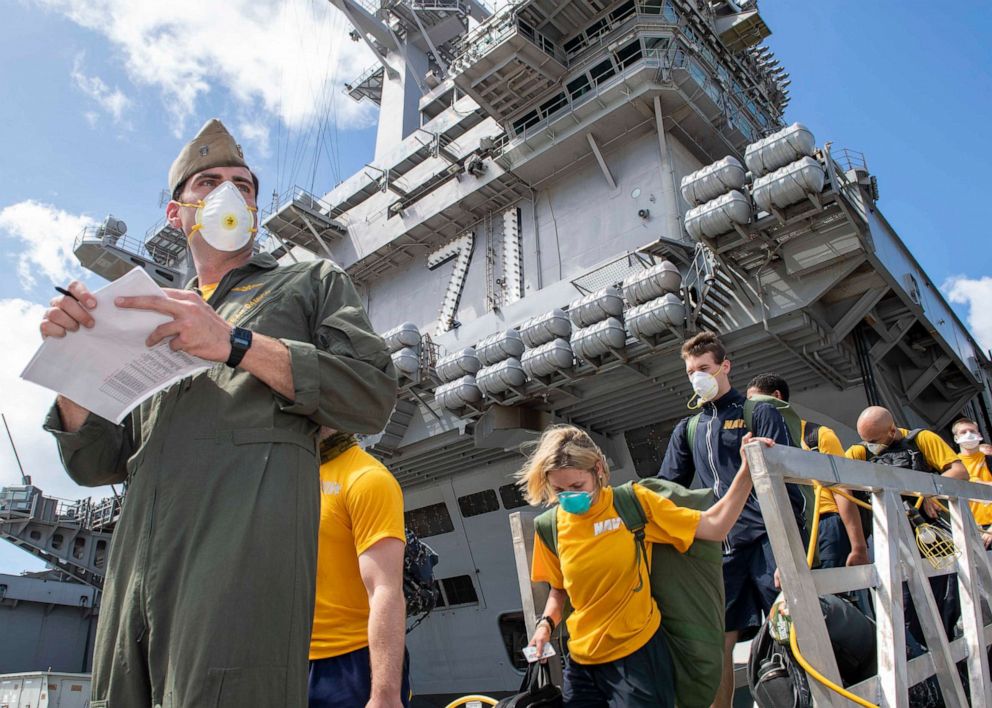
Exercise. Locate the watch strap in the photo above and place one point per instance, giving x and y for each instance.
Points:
(240, 342)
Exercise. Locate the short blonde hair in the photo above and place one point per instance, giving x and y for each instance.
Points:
(560, 447)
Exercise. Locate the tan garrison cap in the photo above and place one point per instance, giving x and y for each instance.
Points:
(213, 146)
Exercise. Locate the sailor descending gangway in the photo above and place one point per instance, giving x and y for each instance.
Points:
(897, 560)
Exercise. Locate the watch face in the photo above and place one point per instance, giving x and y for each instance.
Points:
(241, 336)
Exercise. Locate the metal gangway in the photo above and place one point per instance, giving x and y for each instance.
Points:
(897, 560)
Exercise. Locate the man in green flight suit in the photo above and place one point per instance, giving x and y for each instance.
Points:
(209, 593)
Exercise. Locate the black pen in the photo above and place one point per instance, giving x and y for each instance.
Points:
(66, 292)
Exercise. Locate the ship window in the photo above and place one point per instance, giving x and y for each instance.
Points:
(512, 497)
(628, 54)
(479, 503)
(656, 46)
(459, 590)
(597, 28)
(651, 7)
(623, 12)
(578, 86)
(514, 634)
(439, 602)
(526, 121)
(670, 12)
(549, 108)
(573, 45)
(429, 520)
(602, 71)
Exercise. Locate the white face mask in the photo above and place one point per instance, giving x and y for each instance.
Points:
(224, 218)
(705, 387)
(969, 440)
(876, 448)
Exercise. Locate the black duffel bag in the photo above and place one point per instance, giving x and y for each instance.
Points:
(536, 691)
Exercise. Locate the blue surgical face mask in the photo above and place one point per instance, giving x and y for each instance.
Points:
(575, 502)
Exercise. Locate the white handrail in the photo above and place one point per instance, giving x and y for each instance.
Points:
(896, 561)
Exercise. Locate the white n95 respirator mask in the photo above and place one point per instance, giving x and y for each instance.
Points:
(705, 388)
(224, 218)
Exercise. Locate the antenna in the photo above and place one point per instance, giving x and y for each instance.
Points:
(24, 478)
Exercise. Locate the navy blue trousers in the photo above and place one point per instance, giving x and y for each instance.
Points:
(345, 681)
(644, 679)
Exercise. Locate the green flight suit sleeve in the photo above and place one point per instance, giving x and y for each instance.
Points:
(345, 379)
(97, 453)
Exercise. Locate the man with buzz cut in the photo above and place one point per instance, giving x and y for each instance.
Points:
(884, 442)
(707, 445)
(209, 593)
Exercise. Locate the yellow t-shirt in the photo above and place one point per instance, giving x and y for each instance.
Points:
(595, 566)
(360, 503)
(207, 291)
(827, 443)
(936, 452)
(978, 471)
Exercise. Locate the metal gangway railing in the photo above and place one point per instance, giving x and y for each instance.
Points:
(896, 560)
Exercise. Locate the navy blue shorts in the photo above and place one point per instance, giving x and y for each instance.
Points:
(345, 681)
(832, 544)
(644, 679)
(749, 582)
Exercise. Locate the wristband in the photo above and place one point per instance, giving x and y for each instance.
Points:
(551, 623)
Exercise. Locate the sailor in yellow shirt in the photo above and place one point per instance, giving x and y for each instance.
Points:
(617, 654)
(922, 451)
(840, 537)
(357, 653)
(973, 455)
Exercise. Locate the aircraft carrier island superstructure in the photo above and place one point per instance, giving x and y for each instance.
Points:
(560, 193)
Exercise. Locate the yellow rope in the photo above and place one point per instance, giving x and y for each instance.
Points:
(820, 677)
(468, 699)
(815, 528)
(849, 497)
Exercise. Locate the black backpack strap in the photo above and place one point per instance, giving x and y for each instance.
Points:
(811, 436)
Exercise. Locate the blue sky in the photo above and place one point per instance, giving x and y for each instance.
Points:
(99, 95)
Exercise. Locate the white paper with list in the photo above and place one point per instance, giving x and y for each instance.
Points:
(108, 369)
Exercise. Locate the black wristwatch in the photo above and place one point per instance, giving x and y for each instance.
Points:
(551, 623)
(240, 341)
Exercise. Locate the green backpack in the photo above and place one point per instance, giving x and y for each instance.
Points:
(688, 588)
(793, 423)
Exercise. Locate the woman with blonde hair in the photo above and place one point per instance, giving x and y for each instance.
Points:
(618, 655)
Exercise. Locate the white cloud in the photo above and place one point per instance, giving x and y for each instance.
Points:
(24, 405)
(285, 58)
(976, 294)
(256, 132)
(113, 101)
(46, 235)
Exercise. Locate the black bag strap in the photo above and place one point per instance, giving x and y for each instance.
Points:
(537, 677)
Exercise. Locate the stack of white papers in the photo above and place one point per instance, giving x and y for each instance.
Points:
(108, 369)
